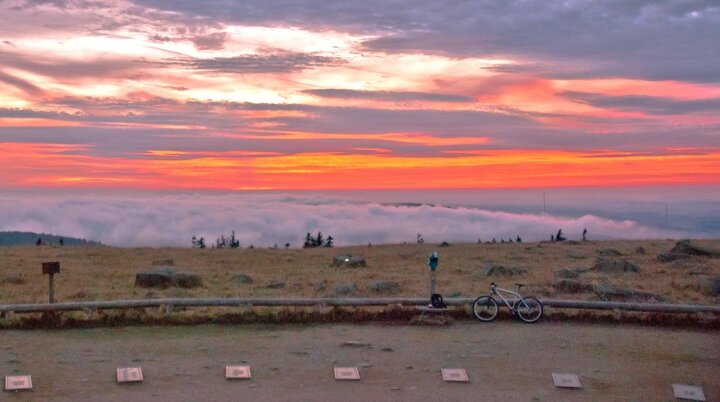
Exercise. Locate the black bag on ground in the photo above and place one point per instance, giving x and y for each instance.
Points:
(436, 301)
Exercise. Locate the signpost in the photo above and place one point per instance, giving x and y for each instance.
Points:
(433, 264)
(51, 268)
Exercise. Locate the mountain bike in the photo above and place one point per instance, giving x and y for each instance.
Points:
(526, 308)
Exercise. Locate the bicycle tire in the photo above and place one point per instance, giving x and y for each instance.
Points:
(485, 308)
(529, 309)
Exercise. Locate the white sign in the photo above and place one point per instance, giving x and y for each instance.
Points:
(18, 383)
(691, 392)
(129, 374)
(566, 380)
(237, 372)
(347, 373)
(455, 375)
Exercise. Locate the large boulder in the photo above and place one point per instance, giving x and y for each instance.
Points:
(571, 286)
(164, 277)
(685, 249)
(242, 279)
(609, 252)
(156, 278)
(345, 289)
(611, 293)
(709, 285)
(187, 280)
(493, 269)
(348, 260)
(384, 286)
(569, 273)
(610, 265)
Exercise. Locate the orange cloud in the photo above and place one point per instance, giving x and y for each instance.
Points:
(62, 166)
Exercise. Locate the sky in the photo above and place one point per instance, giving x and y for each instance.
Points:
(194, 97)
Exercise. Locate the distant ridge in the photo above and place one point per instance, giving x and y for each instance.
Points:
(30, 239)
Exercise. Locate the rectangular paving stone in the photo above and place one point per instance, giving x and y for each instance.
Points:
(347, 373)
(237, 372)
(18, 383)
(455, 375)
(129, 374)
(688, 392)
(563, 380)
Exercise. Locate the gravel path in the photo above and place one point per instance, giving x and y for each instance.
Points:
(504, 360)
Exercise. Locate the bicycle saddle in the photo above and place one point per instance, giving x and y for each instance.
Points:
(519, 285)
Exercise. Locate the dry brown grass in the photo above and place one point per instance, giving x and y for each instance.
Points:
(108, 273)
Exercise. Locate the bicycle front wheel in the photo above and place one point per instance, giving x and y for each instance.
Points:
(529, 309)
(485, 308)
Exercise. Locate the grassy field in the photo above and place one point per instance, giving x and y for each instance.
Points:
(106, 273)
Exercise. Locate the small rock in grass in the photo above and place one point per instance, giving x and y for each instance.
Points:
(384, 286)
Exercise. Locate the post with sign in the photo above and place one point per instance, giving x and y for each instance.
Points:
(433, 264)
(51, 268)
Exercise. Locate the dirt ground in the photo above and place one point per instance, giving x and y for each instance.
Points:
(504, 360)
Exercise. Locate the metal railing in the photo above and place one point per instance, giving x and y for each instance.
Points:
(90, 306)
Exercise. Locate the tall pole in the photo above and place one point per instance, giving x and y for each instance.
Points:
(52, 289)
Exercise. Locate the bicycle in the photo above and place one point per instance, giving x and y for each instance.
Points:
(528, 309)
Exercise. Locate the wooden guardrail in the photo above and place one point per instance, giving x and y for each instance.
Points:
(90, 306)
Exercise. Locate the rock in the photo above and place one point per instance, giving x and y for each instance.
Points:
(571, 286)
(355, 344)
(444, 244)
(609, 252)
(685, 249)
(709, 285)
(569, 273)
(640, 250)
(609, 265)
(611, 293)
(345, 289)
(163, 277)
(242, 278)
(493, 269)
(13, 280)
(319, 286)
(275, 285)
(576, 255)
(187, 280)
(160, 277)
(384, 286)
(348, 260)
(431, 320)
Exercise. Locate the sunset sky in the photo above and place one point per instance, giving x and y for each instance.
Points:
(325, 95)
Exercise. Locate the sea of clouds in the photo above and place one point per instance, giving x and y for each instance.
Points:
(267, 219)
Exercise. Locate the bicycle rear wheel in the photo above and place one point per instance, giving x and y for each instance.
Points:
(485, 308)
(529, 309)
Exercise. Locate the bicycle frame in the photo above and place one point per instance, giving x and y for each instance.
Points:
(495, 290)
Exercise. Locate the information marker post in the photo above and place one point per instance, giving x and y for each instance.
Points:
(433, 264)
(51, 268)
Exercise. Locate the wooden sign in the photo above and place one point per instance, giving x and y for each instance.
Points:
(50, 268)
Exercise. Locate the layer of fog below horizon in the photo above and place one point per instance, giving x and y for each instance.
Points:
(264, 219)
